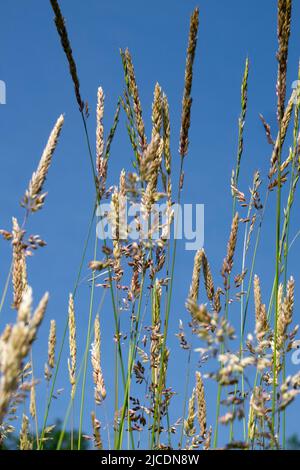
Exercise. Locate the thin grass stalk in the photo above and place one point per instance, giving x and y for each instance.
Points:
(241, 125)
(131, 356)
(283, 235)
(49, 400)
(242, 323)
(68, 51)
(253, 262)
(166, 322)
(286, 249)
(277, 274)
(183, 150)
(78, 376)
(284, 19)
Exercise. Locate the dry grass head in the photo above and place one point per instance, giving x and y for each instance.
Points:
(100, 390)
(52, 344)
(134, 92)
(201, 411)
(19, 272)
(15, 346)
(34, 198)
(72, 345)
(65, 42)
(188, 79)
(228, 261)
(261, 322)
(283, 32)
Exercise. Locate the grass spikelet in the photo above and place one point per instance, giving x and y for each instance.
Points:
(157, 111)
(155, 333)
(52, 344)
(189, 423)
(65, 42)
(283, 32)
(32, 402)
(72, 345)
(100, 163)
(261, 322)
(96, 432)
(112, 130)
(288, 304)
(282, 134)
(19, 275)
(137, 107)
(187, 100)
(151, 160)
(33, 199)
(251, 419)
(207, 442)
(25, 442)
(15, 349)
(201, 403)
(100, 391)
(194, 288)
(25, 306)
(199, 312)
(208, 280)
(216, 300)
(228, 261)
(285, 311)
(166, 133)
(281, 325)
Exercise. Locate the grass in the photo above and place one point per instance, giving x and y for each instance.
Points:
(248, 371)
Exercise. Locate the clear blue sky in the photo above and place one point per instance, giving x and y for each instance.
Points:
(39, 89)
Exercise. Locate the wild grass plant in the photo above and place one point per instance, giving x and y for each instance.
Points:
(252, 388)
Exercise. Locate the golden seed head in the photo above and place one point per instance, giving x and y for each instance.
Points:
(201, 411)
(72, 345)
(25, 442)
(51, 344)
(228, 261)
(187, 100)
(99, 131)
(14, 348)
(157, 111)
(208, 280)
(261, 322)
(96, 432)
(189, 423)
(32, 403)
(285, 311)
(100, 390)
(19, 272)
(137, 108)
(194, 288)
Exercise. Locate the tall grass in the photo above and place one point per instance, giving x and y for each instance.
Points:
(249, 372)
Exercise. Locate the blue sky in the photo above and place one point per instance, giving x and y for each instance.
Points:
(39, 89)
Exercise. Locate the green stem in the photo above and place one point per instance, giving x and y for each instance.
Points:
(187, 380)
(87, 346)
(166, 323)
(65, 333)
